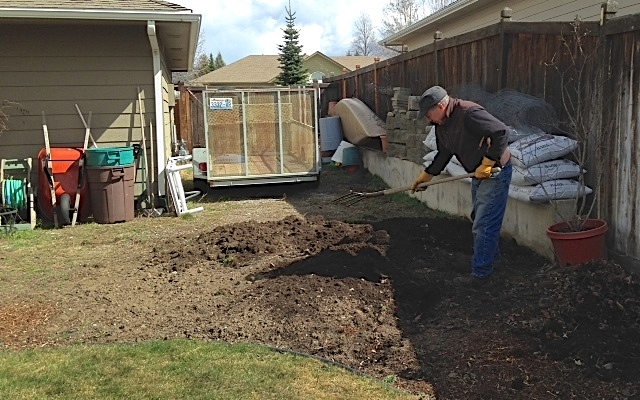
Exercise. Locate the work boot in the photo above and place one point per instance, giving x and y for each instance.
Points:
(470, 281)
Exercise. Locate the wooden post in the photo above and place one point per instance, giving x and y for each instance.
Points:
(436, 36)
(344, 84)
(357, 92)
(375, 84)
(185, 127)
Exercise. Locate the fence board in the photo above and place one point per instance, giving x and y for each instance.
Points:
(523, 57)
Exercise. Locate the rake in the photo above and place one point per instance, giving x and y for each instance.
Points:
(352, 197)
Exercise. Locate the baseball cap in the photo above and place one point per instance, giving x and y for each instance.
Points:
(430, 98)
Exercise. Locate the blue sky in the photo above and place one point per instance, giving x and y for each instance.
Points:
(238, 28)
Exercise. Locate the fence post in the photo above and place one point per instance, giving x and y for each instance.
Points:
(505, 16)
(357, 81)
(344, 84)
(375, 84)
(436, 36)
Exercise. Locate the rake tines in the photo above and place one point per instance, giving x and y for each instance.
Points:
(349, 198)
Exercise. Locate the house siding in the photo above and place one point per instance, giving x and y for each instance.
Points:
(327, 67)
(52, 67)
(522, 11)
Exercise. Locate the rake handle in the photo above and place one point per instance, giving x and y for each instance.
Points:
(432, 182)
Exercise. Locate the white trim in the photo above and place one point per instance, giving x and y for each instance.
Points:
(121, 15)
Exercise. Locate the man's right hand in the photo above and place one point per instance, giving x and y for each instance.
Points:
(423, 178)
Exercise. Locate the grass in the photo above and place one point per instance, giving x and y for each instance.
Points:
(180, 369)
(34, 262)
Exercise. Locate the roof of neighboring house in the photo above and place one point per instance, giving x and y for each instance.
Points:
(148, 5)
(261, 69)
(251, 69)
(351, 62)
(176, 27)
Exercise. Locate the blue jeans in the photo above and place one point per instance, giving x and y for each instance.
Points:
(489, 197)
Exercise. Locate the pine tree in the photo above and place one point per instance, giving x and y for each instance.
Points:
(291, 57)
(219, 62)
(211, 65)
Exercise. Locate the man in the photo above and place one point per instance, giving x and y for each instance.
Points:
(479, 140)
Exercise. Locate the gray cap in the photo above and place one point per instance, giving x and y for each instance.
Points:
(430, 98)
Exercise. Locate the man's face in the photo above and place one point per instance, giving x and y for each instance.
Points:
(436, 115)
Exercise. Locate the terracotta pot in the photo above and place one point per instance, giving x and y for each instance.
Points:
(384, 143)
(575, 248)
(332, 109)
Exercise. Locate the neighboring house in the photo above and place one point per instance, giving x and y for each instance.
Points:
(99, 55)
(263, 70)
(464, 16)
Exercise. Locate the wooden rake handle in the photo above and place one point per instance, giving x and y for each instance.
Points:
(432, 182)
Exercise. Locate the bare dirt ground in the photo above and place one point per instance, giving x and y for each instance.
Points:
(368, 286)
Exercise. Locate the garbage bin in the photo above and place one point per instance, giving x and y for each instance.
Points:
(111, 193)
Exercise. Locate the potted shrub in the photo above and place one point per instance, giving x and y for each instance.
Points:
(580, 236)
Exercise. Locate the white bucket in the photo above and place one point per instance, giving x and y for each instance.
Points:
(337, 156)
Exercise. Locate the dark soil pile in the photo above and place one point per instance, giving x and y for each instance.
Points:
(374, 294)
(379, 298)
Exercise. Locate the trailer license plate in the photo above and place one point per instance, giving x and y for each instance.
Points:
(220, 103)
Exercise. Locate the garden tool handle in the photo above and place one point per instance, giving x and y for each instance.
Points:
(436, 181)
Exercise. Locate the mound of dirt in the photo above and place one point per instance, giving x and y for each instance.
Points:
(374, 294)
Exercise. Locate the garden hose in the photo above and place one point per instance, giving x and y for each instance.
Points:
(14, 193)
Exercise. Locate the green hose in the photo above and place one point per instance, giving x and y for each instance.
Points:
(14, 192)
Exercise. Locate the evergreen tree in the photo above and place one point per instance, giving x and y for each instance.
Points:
(211, 65)
(219, 62)
(291, 57)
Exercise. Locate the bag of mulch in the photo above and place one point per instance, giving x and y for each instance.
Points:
(537, 148)
(428, 158)
(430, 140)
(550, 190)
(545, 171)
(522, 131)
(454, 169)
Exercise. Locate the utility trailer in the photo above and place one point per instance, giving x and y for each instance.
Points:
(258, 136)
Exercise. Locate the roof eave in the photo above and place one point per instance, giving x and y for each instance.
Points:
(186, 16)
(439, 16)
(98, 14)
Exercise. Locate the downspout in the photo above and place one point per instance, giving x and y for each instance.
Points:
(159, 112)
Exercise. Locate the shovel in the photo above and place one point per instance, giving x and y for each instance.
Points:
(354, 197)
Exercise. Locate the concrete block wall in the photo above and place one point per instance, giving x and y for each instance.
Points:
(405, 133)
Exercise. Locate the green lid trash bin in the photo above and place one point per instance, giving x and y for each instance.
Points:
(109, 156)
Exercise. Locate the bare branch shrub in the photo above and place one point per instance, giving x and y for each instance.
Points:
(583, 74)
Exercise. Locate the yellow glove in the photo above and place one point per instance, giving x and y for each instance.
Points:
(484, 169)
(423, 178)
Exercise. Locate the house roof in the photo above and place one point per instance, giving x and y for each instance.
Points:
(251, 70)
(261, 69)
(450, 12)
(177, 28)
(351, 62)
(149, 5)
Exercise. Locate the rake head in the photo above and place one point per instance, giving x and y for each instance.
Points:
(350, 198)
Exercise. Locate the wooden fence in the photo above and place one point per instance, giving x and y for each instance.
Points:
(524, 57)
